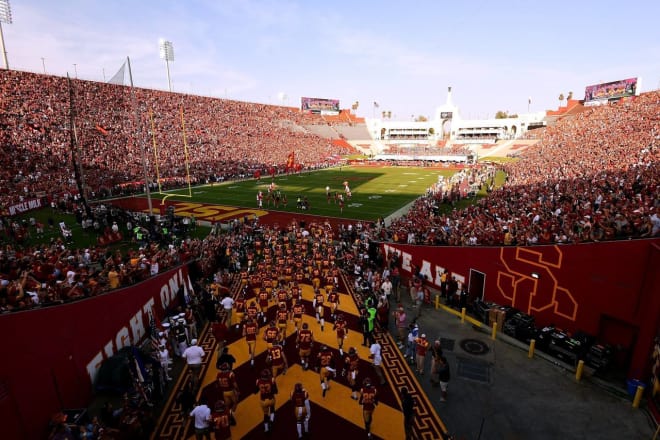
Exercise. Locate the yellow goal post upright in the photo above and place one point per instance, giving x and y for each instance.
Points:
(156, 160)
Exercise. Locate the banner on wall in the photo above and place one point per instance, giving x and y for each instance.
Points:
(61, 348)
(607, 289)
(563, 284)
(131, 328)
(25, 206)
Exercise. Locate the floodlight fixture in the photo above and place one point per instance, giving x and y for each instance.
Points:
(5, 12)
(5, 17)
(167, 54)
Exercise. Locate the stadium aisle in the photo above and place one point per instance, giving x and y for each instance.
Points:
(336, 412)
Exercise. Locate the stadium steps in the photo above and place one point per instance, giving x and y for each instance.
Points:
(324, 131)
(353, 132)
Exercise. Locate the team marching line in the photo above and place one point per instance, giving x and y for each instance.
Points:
(300, 340)
(292, 342)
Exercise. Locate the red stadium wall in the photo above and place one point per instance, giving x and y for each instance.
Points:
(610, 290)
(52, 354)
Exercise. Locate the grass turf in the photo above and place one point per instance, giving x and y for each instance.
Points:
(376, 192)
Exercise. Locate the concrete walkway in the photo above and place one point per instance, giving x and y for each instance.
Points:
(502, 394)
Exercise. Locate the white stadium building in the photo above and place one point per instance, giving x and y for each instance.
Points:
(426, 140)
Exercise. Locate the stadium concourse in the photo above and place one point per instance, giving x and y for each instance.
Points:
(331, 415)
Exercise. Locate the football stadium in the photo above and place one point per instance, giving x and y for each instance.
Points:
(177, 266)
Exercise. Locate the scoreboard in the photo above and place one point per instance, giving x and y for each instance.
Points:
(610, 91)
(319, 105)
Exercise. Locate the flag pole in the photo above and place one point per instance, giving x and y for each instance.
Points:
(2, 48)
(75, 149)
(138, 139)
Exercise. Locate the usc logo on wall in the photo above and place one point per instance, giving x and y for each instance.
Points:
(530, 281)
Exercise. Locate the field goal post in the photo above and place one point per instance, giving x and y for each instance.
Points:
(187, 160)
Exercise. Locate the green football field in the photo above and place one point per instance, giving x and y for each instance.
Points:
(376, 192)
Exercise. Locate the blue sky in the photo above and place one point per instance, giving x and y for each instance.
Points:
(403, 55)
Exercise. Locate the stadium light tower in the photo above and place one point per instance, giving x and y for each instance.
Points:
(5, 17)
(167, 54)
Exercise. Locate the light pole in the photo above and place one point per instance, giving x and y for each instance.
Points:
(43, 64)
(75, 69)
(281, 96)
(5, 17)
(167, 54)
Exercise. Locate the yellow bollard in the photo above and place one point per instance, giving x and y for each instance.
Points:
(532, 345)
(463, 314)
(494, 332)
(579, 370)
(437, 302)
(638, 396)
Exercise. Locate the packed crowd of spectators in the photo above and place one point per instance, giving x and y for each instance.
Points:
(224, 140)
(54, 272)
(212, 139)
(590, 178)
(257, 254)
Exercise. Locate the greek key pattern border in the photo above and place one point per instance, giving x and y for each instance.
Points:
(428, 424)
(172, 423)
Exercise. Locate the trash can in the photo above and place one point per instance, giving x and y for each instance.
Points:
(632, 386)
